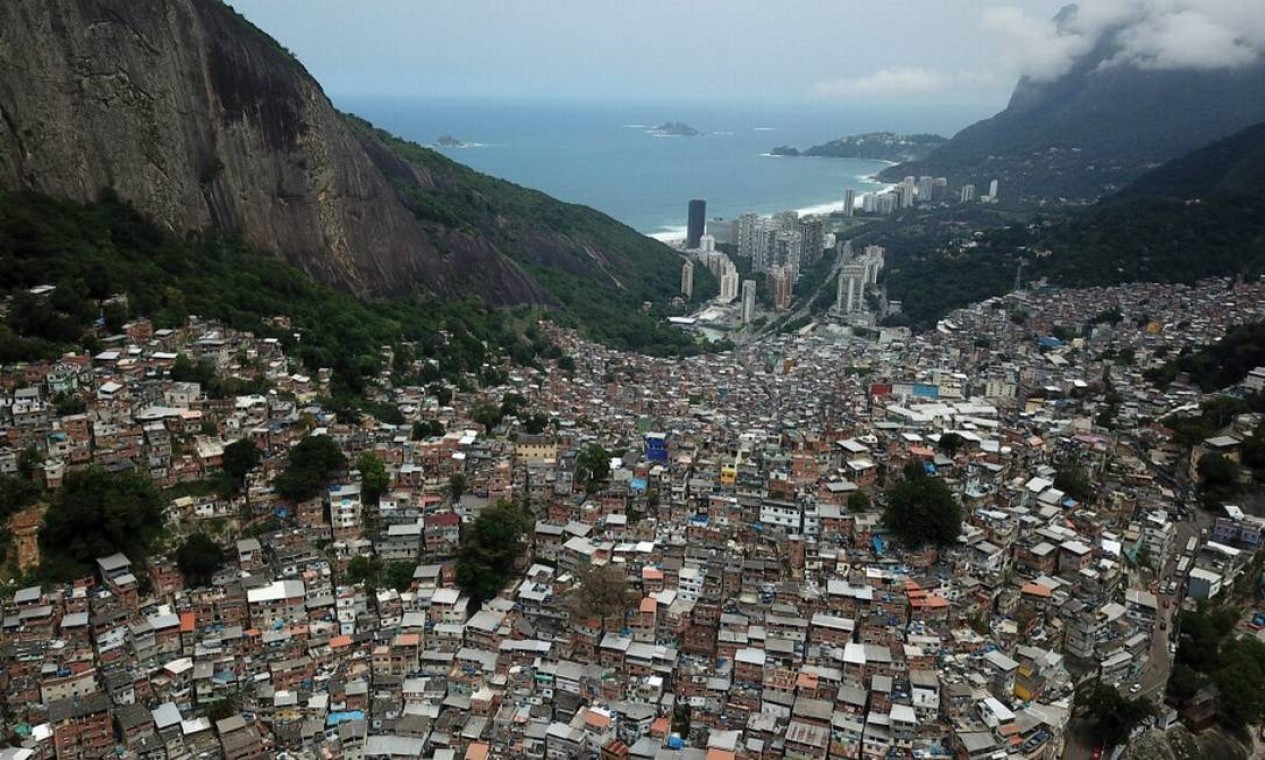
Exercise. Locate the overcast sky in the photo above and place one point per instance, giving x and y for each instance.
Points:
(915, 51)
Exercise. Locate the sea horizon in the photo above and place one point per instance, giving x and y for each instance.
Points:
(606, 155)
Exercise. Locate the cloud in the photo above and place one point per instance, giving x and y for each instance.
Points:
(894, 82)
(1152, 34)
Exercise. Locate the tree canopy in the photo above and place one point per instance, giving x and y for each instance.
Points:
(922, 510)
(1218, 479)
(1071, 480)
(240, 457)
(1112, 715)
(489, 548)
(592, 467)
(95, 514)
(600, 591)
(199, 558)
(374, 478)
(312, 461)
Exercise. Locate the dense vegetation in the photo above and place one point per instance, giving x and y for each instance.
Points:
(1210, 654)
(880, 146)
(938, 262)
(198, 558)
(91, 252)
(1220, 365)
(95, 514)
(1111, 714)
(922, 510)
(1233, 164)
(490, 546)
(602, 295)
(313, 461)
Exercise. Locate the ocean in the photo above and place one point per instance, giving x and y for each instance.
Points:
(604, 155)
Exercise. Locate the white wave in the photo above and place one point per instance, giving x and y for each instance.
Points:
(764, 129)
(634, 126)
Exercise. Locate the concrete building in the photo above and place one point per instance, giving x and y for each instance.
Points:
(748, 301)
(687, 279)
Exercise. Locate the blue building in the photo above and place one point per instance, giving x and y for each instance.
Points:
(656, 447)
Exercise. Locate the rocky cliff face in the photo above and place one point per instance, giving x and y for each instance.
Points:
(205, 123)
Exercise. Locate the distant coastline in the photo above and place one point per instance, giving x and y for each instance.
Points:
(674, 234)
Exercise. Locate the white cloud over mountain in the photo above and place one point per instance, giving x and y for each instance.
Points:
(1150, 34)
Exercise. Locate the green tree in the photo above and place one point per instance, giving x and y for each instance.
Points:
(487, 414)
(922, 510)
(950, 443)
(535, 424)
(30, 462)
(592, 467)
(1218, 479)
(600, 592)
(1071, 480)
(240, 457)
(423, 429)
(1240, 681)
(1112, 716)
(398, 575)
(95, 514)
(362, 569)
(199, 558)
(456, 486)
(1184, 683)
(16, 494)
(312, 461)
(858, 501)
(441, 393)
(374, 478)
(489, 548)
(566, 363)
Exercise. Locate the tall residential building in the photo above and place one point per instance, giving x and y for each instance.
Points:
(968, 194)
(728, 284)
(781, 281)
(788, 249)
(813, 234)
(849, 202)
(707, 243)
(687, 279)
(926, 189)
(906, 191)
(992, 190)
(748, 300)
(744, 235)
(850, 296)
(695, 223)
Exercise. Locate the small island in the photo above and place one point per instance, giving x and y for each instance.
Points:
(448, 141)
(676, 129)
(879, 146)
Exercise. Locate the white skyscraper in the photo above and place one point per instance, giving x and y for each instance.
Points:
(748, 300)
(992, 190)
(968, 194)
(728, 284)
(849, 202)
(687, 279)
(850, 296)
